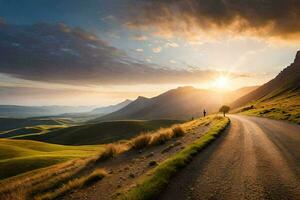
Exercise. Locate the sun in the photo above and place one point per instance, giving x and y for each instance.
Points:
(222, 82)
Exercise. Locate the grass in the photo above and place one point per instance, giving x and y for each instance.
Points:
(100, 133)
(158, 137)
(284, 107)
(53, 181)
(178, 131)
(141, 141)
(20, 156)
(150, 185)
(9, 124)
(111, 150)
(95, 176)
(30, 131)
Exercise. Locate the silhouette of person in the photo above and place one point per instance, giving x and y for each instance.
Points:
(204, 112)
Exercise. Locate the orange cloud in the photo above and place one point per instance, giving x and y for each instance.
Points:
(191, 18)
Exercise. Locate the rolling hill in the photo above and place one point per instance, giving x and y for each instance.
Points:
(181, 103)
(278, 98)
(8, 124)
(99, 133)
(20, 156)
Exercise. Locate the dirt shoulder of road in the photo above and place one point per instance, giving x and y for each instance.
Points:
(125, 169)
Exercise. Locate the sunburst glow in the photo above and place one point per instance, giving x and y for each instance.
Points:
(222, 82)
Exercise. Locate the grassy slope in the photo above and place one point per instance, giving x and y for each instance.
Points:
(19, 156)
(104, 132)
(281, 106)
(7, 124)
(11, 127)
(30, 130)
(150, 185)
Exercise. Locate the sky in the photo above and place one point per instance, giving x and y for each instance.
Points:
(100, 52)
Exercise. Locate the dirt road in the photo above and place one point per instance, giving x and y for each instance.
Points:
(256, 158)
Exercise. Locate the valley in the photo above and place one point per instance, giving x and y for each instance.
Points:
(150, 147)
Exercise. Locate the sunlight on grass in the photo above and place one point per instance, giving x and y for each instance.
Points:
(150, 185)
(285, 107)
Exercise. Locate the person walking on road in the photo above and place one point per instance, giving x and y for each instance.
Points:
(204, 113)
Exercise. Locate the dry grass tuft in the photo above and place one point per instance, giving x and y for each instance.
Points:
(18, 194)
(217, 117)
(96, 175)
(161, 137)
(27, 186)
(178, 131)
(112, 150)
(141, 141)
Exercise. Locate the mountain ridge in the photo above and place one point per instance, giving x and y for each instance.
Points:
(180, 103)
(287, 80)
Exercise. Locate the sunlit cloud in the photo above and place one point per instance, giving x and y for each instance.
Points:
(171, 44)
(81, 58)
(140, 37)
(191, 18)
(156, 49)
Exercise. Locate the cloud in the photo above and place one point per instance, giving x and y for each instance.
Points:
(172, 61)
(156, 49)
(60, 54)
(139, 50)
(148, 60)
(113, 35)
(108, 18)
(140, 37)
(188, 18)
(171, 44)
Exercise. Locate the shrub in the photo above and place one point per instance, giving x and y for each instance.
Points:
(141, 141)
(178, 131)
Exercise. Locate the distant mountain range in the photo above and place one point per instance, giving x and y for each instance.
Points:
(287, 81)
(15, 111)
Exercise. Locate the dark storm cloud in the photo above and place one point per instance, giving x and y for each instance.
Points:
(57, 53)
(278, 18)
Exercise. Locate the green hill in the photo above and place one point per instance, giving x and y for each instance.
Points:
(100, 133)
(7, 124)
(20, 156)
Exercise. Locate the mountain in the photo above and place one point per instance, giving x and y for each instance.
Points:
(288, 80)
(180, 103)
(234, 95)
(16, 111)
(277, 99)
(111, 108)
